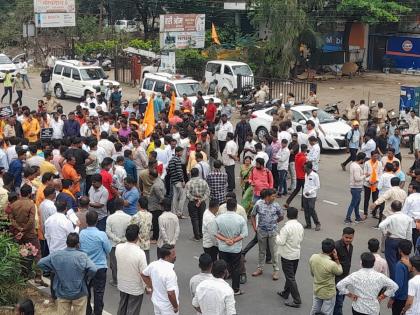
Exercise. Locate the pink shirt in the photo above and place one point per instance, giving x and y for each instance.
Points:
(380, 265)
(260, 179)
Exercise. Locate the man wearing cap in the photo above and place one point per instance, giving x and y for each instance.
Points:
(353, 143)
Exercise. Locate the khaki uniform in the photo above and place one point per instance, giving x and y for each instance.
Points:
(351, 113)
(382, 117)
(285, 115)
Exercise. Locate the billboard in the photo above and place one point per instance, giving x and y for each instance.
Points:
(404, 51)
(180, 31)
(55, 13)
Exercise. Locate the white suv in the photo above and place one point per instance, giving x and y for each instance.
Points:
(6, 65)
(75, 79)
(165, 82)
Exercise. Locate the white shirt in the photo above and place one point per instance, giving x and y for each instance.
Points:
(4, 162)
(47, 208)
(214, 297)
(312, 185)
(289, 240)
(231, 148)
(118, 176)
(208, 238)
(398, 225)
(250, 145)
(131, 262)
(412, 207)
(368, 148)
(11, 153)
(57, 127)
(367, 169)
(100, 154)
(414, 290)
(116, 225)
(302, 138)
(384, 183)
(282, 157)
(105, 126)
(34, 160)
(22, 67)
(284, 135)
(223, 129)
(363, 111)
(203, 169)
(108, 147)
(164, 279)
(57, 227)
(263, 155)
(314, 156)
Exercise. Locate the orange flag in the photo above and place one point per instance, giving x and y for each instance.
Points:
(172, 105)
(149, 118)
(214, 36)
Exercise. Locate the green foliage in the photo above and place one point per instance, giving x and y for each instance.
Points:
(373, 11)
(144, 44)
(11, 282)
(191, 62)
(106, 47)
(87, 28)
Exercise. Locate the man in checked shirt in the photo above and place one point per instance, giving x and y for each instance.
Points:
(197, 193)
(217, 181)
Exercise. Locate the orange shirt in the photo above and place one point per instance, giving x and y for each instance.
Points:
(31, 129)
(39, 197)
(69, 172)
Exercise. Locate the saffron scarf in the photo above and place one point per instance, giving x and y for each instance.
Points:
(374, 176)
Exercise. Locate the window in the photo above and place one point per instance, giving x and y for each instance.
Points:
(214, 68)
(297, 116)
(92, 74)
(159, 87)
(76, 75)
(242, 70)
(67, 72)
(148, 84)
(227, 70)
(58, 69)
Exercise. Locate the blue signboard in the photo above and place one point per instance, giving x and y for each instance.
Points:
(404, 51)
(333, 42)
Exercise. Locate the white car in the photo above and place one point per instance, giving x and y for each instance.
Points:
(74, 78)
(6, 65)
(335, 130)
(126, 26)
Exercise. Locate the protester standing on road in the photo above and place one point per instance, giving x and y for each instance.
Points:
(357, 178)
(300, 161)
(229, 158)
(143, 219)
(242, 130)
(209, 240)
(412, 209)
(8, 86)
(168, 226)
(260, 179)
(353, 143)
(177, 181)
(413, 128)
(413, 301)
(155, 199)
(310, 190)
(289, 242)
(217, 181)
(18, 87)
(373, 171)
(98, 196)
(22, 69)
(205, 263)
(363, 116)
(45, 79)
(223, 128)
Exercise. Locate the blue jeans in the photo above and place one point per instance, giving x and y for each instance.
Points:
(356, 196)
(339, 301)
(282, 182)
(392, 255)
(325, 307)
(101, 225)
(83, 187)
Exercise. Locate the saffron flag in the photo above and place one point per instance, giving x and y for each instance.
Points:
(172, 106)
(149, 118)
(214, 36)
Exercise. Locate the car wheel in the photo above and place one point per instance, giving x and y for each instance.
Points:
(225, 92)
(58, 91)
(261, 133)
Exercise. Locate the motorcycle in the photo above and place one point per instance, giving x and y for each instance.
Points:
(334, 110)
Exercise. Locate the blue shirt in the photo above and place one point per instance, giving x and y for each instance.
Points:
(96, 245)
(71, 128)
(268, 217)
(157, 107)
(417, 249)
(353, 138)
(130, 168)
(394, 142)
(71, 268)
(230, 225)
(401, 278)
(401, 176)
(132, 196)
(16, 169)
(69, 200)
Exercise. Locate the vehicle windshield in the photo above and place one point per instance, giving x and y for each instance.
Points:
(92, 74)
(323, 116)
(4, 60)
(190, 89)
(242, 70)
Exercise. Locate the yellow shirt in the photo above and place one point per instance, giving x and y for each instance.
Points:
(31, 130)
(7, 80)
(47, 167)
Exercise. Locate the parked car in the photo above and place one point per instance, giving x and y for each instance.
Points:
(74, 78)
(6, 65)
(166, 82)
(226, 73)
(335, 130)
(126, 26)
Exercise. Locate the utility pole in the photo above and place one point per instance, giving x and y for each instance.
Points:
(101, 16)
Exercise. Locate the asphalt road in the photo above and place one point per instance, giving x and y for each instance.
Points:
(260, 293)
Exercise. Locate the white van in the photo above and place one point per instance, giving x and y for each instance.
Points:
(226, 73)
(126, 26)
(74, 78)
(166, 82)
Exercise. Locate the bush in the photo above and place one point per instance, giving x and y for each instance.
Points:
(11, 282)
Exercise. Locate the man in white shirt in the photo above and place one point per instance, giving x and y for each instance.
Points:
(131, 262)
(209, 240)
(202, 166)
(395, 227)
(22, 67)
(284, 134)
(214, 296)
(47, 207)
(368, 146)
(260, 154)
(206, 264)
(315, 119)
(229, 158)
(412, 306)
(223, 128)
(310, 190)
(302, 137)
(283, 156)
(412, 209)
(57, 227)
(288, 241)
(57, 125)
(106, 144)
(314, 154)
(413, 127)
(116, 226)
(160, 276)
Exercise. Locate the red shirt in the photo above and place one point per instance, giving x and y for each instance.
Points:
(211, 112)
(300, 160)
(107, 182)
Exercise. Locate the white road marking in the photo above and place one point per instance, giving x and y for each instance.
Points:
(330, 202)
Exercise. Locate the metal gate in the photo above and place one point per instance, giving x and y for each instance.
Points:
(122, 69)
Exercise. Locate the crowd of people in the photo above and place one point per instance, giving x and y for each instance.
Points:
(115, 177)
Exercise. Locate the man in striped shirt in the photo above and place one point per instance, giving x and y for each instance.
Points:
(176, 176)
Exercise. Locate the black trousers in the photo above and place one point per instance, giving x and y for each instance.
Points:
(230, 171)
(7, 90)
(367, 195)
(88, 182)
(196, 215)
(352, 157)
(289, 268)
(275, 173)
(19, 99)
(212, 251)
(309, 208)
(299, 186)
(98, 284)
(222, 145)
(254, 242)
(357, 313)
(155, 224)
(233, 261)
(397, 306)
